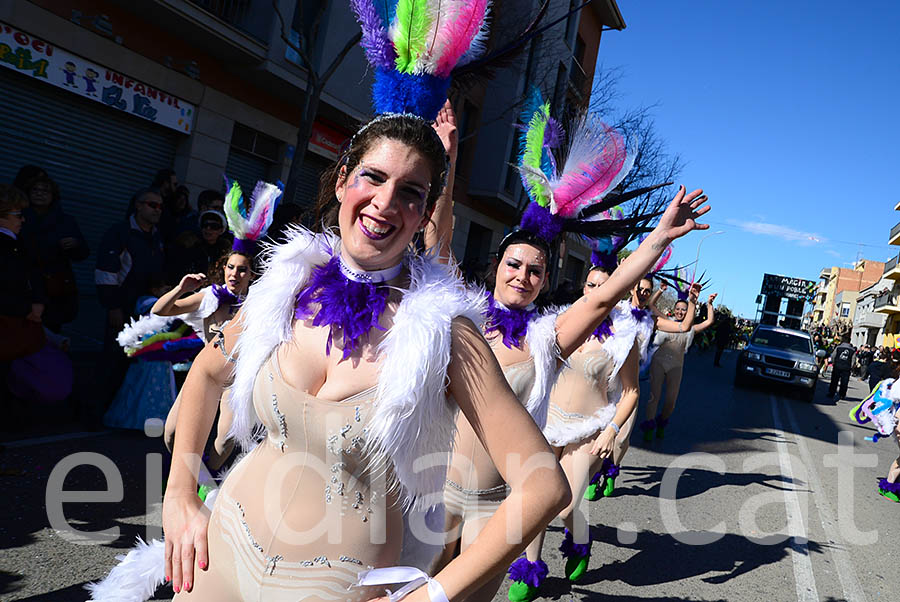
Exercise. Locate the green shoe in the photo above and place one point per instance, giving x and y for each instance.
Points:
(660, 432)
(520, 591)
(592, 493)
(576, 567)
(203, 491)
(661, 424)
(648, 436)
(647, 427)
(889, 495)
(610, 485)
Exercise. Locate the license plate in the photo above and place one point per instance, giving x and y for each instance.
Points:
(781, 373)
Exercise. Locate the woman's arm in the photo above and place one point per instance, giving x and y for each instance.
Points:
(667, 325)
(185, 519)
(538, 487)
(439, 231)
(628, 376)
(171, 303)
(710, 315)
(577, 323)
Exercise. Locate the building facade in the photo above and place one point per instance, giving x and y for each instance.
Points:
(887, 302)
(868, 325)
(103, 93)
(830, 303)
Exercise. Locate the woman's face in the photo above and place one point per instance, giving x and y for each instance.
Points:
(594, 279)
(40, 196)
(640, 294)
(520, 276)
(382, 204)
(680, 310)
(237, 274)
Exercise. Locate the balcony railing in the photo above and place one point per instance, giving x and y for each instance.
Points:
(892, 264)
(885, 300)
(894, 232)
(253, 17)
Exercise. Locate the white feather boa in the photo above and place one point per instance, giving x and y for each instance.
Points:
(412, 418)
(541, 339)
(137, 329)
(208, 306)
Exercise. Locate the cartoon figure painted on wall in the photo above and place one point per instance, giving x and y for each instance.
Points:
(90, 76)
(69, 72)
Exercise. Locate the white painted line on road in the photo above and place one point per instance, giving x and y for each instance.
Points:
(803, 573)
(853, 591)
(51, 439)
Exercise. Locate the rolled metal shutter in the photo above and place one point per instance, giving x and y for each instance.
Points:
(310, 172)
(247, 169)
(98, 156)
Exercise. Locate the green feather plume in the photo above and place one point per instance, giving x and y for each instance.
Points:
(410, 33)
(533, 154)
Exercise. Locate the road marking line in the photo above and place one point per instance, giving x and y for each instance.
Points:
(853, 591)
(803, 573)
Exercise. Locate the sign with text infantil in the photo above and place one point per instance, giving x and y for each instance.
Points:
(791, 288)
(36, 58)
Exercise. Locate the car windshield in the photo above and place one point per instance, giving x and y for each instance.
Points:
(782, 340)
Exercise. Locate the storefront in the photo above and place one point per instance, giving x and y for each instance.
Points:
(99, 134)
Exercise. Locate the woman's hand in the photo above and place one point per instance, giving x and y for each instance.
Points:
(603, 445)
(191, 282)
(680, 217)
(712, 298)
(445, 126)
(185, 523)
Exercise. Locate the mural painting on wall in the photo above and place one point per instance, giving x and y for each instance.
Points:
(37, 58)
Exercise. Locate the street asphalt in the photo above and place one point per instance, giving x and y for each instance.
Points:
(748, 497)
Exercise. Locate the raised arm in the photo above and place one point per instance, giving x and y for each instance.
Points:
(654, 299)
(667, 325)
(171, 304)
(710, 315)
(538, 488)
(577, 323)
(185, 520)
(439, 231)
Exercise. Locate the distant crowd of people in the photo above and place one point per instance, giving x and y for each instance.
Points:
(162, 237)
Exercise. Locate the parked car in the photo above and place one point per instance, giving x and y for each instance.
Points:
(779, 355)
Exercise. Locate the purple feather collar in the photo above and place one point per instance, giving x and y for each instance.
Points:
(604, 330)
(226, 296)
(512, 323)
(350, 307)
(639, 314)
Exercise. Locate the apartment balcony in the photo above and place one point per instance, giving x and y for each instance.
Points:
(895, 235)
(887, 304)
(892, 269)
(871, 320)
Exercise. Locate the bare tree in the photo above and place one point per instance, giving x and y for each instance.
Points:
(315, 84)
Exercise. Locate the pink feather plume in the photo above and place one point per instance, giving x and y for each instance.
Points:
(460, 33)
(598, 160)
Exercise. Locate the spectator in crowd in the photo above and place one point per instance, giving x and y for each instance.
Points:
(21, 295)
(210, 200)
(875, 369)
(130, 253)
(53, 240)
(178, 215)
(165, 183)
(26, 174)
(841, 362)
(192, 254)
(723, 336)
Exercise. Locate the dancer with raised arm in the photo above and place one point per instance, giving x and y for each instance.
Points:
(668, 361)
(530, 344)
(353, 352)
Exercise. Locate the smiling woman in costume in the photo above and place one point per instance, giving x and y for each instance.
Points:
(530, 344)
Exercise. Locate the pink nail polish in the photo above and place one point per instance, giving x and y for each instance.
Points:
(187, 586)
(202, 564)
(176, 588)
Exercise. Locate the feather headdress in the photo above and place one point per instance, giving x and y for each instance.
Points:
(414, 45)
(249, 225)
(572, 180)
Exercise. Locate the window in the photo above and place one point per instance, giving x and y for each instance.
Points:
(468, 118)
(256, 143)
(845, 310)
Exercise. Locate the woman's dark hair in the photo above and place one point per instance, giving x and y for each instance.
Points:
(27, 173)
(681, 301)
(600, 268)
(11, 199)
(524, 237)
(42, 178)
(406, 129)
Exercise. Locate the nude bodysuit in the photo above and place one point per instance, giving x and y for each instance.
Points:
(579, 403)
(302, 514)
(472, 479)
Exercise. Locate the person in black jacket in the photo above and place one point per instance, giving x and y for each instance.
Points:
(723, 337)
(53, 240)
(130, 254)
(841, 363)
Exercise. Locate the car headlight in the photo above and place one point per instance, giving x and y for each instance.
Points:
(807, 367)
(752, 355)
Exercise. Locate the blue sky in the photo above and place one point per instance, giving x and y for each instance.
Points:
(786, 113)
